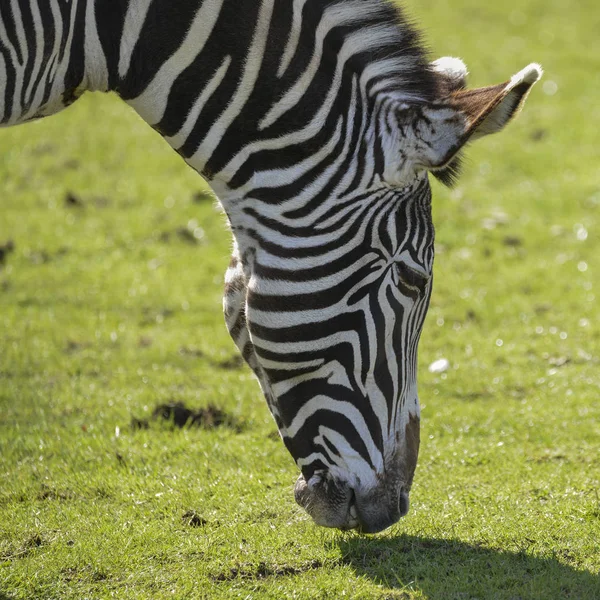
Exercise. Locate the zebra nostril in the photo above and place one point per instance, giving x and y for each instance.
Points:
(377, 510)
(352, 510)
(403, 503)
(301, 491)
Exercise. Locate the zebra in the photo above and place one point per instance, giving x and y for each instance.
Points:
(317, 124)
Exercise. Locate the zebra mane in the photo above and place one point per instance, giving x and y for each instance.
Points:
(408, 74)
(395, 58)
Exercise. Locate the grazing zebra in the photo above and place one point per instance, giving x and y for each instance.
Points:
(316, 123)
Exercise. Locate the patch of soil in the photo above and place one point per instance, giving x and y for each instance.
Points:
(559, 361)
(175, 412)
(72, 164)
(139, 423)
(232, 363)
(513, 241)
(190, 351)
(74, 346)
(152, 315)
(38, 257)
(202, 196)
(181, 416)
(145, 341)
(101, 201)
(73, 200)
(33, 541)
(538, 135)
(208, 417)
(182, 233)
(5, 249)
(48, 493)
(193, 519)
(186, 235)
(43, 149)
(262, 571)
(87, 573)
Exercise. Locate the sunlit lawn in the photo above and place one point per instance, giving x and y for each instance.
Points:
(110, 306)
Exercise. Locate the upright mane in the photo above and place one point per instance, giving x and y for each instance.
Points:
(389, 48)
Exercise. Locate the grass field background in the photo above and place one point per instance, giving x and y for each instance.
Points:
(110, 306)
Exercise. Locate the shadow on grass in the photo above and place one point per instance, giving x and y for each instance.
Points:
(452, 570)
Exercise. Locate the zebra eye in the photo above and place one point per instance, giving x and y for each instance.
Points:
(411, 277)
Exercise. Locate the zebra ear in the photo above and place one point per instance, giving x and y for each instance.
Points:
(466, 115)
(451, 74)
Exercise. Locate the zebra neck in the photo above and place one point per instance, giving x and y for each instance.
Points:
(50, 54)
(258, 94)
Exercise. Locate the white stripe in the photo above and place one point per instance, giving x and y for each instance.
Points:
(177, 140)
(96, 71)
(333, 371)
(52, 62)
(311, 458)
(304, 261)
(39, 48)
(135, 17)
(16, 105)
(277, 178)
(348, 410)
(152, 102)
(334, 16)
(58, 81)
(293, 39)
(359, 40)
(356, 470)
(243, 91)
(4, 76)
(325, 342)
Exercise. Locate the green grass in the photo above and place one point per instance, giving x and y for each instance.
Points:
(109, 307)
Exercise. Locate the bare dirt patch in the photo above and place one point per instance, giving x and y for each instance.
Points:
(202, 196)
(73, 200)
(232, 363)
(263, 570)
(49, 493)
(30, 544)
(6, 248)
(192, 519)
(209, 417)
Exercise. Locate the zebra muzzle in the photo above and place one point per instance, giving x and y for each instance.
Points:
(332, 503)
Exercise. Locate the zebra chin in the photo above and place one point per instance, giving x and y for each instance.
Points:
(333, 503)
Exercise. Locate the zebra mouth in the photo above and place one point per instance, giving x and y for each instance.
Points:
(332, 503)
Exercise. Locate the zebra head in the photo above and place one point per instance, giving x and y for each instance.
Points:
(327, 300)
(317, 123)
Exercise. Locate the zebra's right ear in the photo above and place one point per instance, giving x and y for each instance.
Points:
(442, 130)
